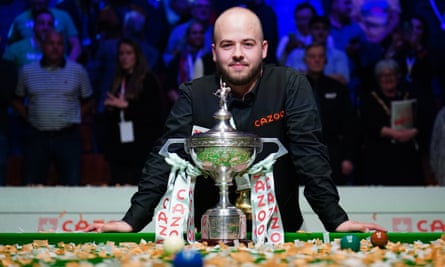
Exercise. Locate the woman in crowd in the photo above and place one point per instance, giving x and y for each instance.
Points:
(135, 114)
(391, 153)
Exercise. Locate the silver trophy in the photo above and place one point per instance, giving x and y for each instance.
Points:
(223, 153)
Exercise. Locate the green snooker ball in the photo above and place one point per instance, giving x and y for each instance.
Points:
(350, 241)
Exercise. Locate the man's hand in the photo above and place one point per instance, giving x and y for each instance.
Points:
(353, 226)
(111, 226)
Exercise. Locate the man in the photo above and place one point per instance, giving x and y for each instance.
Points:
(23, 24)
(300, 36)
(181, 67)
(58, 93)
(201, 11)
(337, 66)
(337, 115)
(28, 50)
(256, 92)
(378, 19)
(344, 30)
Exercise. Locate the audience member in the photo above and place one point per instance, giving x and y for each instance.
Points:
(21, 53)
(391, 152)
(122, 9)
(135, 28)
(101, 69)
(102, 65)
(134, 114)
(395, 43)
(338, 119)
(285, 10)
(433, 13)
(269, 25)
(59, 93)
(377, 18)
(204, 65)
(167, 14)
(300, 37)
(437, 148)
(176, 11)
(181, 68)
(349, 37)
(344, 30)
(202, 12)
(22, 26)
(337, 66)
(414, 60)
(29, 49)
(8, 81)
(84, 15)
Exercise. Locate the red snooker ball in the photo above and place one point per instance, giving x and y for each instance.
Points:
(379, 239)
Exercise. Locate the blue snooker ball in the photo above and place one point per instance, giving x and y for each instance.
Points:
(350, 241)
(188, 258)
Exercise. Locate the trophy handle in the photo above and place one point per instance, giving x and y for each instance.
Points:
(281, 149)
(164, 149)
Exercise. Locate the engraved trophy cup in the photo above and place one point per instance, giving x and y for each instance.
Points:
(223, 153)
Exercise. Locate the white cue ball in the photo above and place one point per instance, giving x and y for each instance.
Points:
(173, 244)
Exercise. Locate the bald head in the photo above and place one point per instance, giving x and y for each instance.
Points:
(237, 19)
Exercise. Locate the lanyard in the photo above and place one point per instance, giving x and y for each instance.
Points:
(380, 101)
(409, 66)
(122, 91)
(382, 104)
(122, 95)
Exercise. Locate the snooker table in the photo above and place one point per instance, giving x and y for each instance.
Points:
(9, 242)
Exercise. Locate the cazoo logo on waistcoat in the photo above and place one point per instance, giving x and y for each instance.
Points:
(269, 119)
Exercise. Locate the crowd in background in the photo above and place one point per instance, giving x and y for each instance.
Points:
(100, 76)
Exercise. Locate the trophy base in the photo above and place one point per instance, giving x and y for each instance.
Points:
(223, 225)
(227, 242)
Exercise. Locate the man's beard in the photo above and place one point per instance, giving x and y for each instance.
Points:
(236, 80)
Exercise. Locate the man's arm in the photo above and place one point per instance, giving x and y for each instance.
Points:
(310, 158)
(309, 154)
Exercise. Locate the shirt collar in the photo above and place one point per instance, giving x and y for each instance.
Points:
(44, 63)
(247, 100)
